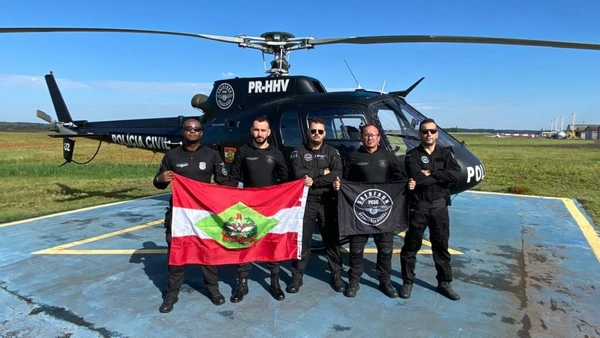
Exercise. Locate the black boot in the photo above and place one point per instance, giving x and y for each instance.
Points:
(294, 286)
(388, 289)
(337, 283)
(240, 291)
(352, 289)
(276, 291)
(445, 289)
(167, 305)
(216, 297)
(406, 290)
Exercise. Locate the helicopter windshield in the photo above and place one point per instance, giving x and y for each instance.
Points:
(341, 123)
(400, 123)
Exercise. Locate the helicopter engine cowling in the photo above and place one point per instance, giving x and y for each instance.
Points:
(199, 101)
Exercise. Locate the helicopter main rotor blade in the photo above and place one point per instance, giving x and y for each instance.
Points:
(116, 30)
(309, 42)
(454, 39)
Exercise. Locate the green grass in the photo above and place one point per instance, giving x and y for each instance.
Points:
(543, 167)
(35, 185)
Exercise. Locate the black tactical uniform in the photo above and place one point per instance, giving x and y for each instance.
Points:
(321, 205)
(429, 207)
(257, 168)
(377, 167)
(199, 165)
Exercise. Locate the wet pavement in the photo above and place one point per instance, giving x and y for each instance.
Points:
(524, 267)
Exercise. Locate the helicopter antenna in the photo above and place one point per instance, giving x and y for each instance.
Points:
(351, 73)
(383, 87)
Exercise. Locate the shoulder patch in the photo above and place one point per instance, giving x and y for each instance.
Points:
(294, 154)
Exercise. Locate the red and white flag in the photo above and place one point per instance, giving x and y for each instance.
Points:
(216, 225)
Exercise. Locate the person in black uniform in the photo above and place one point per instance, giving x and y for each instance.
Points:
(200, 163)
(434, 168)
(319, 164)
(372, 164)
(258, 164)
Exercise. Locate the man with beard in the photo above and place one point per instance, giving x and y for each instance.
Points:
(198, 162)
(258, 164)
(372, 164)
(434, 168)
(319, 164)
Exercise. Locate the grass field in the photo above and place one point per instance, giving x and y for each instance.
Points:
(35, 184)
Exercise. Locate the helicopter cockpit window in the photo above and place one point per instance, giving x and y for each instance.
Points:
(291, 136)
(400, 123)
(341, 123)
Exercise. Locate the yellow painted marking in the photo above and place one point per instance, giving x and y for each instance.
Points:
(103, 252)
(586, 227)
(422, 251)
(61, 248)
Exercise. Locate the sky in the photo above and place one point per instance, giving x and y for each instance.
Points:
(105, 76)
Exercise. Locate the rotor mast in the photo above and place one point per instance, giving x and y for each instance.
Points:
(278, 44)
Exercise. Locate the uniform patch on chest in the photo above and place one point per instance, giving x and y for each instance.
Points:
(424, 159)
(181, 165)
(308, 157)
(202, 165)
(270, 159)
(383, 163)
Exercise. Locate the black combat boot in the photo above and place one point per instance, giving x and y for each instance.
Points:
(337, 283)
(295, 285)
(406, 290)
(167, 305)
(276, 291)
(352, 289)
(240, 291)
(445, 289)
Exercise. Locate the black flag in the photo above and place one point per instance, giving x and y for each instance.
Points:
(372, 208)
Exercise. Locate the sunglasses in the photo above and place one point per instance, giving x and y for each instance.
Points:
(429, 131)
(190, 128)
(320, 131)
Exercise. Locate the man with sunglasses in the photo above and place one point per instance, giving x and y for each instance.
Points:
(198, 162)
(434, 169)
(319, 164)
(372, 164)
(258, 164)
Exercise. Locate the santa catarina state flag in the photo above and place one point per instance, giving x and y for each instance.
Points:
(215, 225)
(372, 208)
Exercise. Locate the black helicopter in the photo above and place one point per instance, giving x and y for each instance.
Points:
(288, 101)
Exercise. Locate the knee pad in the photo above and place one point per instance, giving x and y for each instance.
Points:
(387, 251)
(356, 251)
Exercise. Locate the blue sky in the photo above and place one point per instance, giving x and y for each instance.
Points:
(107, 76)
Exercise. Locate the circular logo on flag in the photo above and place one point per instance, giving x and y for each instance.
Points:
(372, 207)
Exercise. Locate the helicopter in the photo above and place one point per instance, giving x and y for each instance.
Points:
(288, 101)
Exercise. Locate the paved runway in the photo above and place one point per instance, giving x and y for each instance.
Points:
(524, 267)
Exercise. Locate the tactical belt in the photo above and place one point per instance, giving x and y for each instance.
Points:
(439, 203)
(316, 199)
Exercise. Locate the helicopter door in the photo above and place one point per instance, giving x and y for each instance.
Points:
(290, 131)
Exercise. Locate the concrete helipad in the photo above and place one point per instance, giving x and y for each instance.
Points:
(524, 267)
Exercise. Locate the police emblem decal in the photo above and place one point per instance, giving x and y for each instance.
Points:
(225, 95)
(202, 165)
(270, 159)
(308, 157)
(424, 159)
(372, 207)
